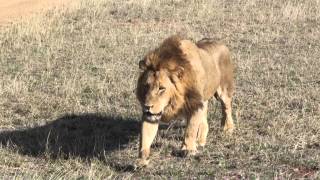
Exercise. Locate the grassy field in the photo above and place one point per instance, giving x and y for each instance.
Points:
(68, 77)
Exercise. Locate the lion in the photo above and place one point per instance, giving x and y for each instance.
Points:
(177, 80)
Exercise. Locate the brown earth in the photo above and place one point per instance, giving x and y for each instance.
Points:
(17, 9)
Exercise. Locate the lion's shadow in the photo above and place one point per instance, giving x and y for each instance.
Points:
(86, 135)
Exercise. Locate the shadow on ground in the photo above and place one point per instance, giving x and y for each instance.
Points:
(86, 135)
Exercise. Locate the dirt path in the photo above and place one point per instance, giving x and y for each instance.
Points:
(15, 9)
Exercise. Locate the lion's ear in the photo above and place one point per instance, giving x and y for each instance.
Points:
(142, 65)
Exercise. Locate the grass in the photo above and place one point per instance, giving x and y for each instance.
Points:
(67, 82)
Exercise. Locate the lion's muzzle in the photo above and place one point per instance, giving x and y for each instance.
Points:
(147, 115)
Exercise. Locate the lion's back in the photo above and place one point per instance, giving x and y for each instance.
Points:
(219, 55)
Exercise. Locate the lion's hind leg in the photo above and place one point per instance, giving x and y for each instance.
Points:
(225, 98)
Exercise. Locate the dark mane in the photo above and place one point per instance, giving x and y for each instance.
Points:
(172, 54)
(168, 56)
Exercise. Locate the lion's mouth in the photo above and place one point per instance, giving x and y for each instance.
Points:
(152, 117)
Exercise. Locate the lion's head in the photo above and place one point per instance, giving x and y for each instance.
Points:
(165, 87)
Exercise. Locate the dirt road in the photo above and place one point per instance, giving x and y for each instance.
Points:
(15, 9)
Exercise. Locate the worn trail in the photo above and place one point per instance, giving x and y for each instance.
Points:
(16, 9)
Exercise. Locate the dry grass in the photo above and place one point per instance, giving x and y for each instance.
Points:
(67, 84)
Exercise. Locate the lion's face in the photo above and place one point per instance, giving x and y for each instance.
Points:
(155, 93)
(163, 84)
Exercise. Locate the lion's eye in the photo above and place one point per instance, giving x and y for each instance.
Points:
(162, 89)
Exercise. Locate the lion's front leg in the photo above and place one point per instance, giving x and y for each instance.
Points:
(190, 140)
(148, 133)
(203, 127)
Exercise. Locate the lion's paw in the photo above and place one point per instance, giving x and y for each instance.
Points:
(142, 163)
(202, 143)
(228, 129)
(187, 153)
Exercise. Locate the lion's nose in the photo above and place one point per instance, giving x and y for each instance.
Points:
(147, 107)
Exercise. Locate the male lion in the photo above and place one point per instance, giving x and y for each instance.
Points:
(177, 81)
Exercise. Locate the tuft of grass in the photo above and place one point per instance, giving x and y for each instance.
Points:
(68, 77)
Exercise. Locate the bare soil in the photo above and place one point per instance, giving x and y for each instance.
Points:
(17, 9)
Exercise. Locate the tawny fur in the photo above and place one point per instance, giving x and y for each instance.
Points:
(178, 79)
